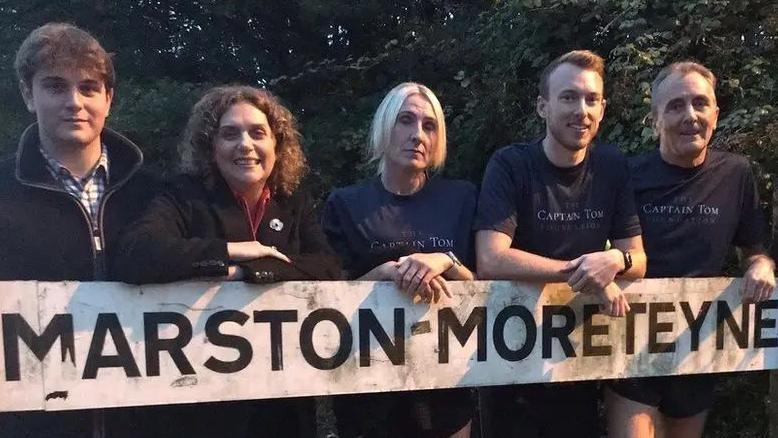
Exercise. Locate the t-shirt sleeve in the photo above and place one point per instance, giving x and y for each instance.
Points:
(751, 227)
(626, 222)
(499, 194)
(466, 250)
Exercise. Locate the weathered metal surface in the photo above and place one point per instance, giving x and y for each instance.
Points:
(282, 340)
(27, 392)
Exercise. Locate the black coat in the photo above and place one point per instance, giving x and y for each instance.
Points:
(185, 231)
(45, 232)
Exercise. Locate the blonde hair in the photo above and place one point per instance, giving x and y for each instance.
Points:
(386, 116)
(196, 149)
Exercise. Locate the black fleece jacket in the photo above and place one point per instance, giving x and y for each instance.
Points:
(45, 232)
(184, 235)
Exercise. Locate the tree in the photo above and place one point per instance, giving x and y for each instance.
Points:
(332, 61)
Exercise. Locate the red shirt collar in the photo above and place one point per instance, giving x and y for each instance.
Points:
(254, 215)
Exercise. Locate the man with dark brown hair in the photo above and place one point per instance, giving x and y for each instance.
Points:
(72, 185)
(546, 212)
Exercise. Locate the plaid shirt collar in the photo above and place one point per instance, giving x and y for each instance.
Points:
(90, 189)
(62, 175)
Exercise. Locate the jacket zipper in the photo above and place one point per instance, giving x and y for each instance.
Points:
(96, 270)
(101, 229)
(110, 190)
(84, 213)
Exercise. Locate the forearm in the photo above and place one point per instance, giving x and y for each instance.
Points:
(750, 260)
(758, 281)
(243, 251)
(638, 269)
(515, 264)
(459, 272)
(633, 245)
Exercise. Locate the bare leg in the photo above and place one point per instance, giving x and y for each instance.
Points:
(628, 418)
(689, 427)
(464, 432)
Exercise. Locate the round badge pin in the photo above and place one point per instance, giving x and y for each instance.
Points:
(276, 224)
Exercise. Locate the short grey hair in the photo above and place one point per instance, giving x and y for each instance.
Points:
(684, 68)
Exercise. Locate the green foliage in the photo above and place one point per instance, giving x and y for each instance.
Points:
(153, 114)
(332, 62)
(736, 39)
(739, 410)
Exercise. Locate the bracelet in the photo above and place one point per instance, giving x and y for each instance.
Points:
(453, 258)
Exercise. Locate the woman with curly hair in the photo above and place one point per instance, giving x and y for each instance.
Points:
(236, 213)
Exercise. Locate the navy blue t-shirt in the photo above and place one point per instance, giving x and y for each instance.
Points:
(561, 213)
(368, 226)
(692, 216)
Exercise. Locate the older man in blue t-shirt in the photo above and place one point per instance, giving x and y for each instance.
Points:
(694, 203)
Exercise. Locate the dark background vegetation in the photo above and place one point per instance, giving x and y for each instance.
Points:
(332, 61)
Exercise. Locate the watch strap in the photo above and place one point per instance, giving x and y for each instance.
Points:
(627, 261)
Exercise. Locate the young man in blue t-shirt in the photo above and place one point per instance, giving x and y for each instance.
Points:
(546, 210)
(694, 204)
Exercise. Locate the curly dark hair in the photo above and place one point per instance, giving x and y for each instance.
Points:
(196, 149)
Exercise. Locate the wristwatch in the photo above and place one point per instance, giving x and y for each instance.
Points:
(453, 258)
(627, 262)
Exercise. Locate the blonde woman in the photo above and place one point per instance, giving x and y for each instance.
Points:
(411, 226)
